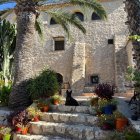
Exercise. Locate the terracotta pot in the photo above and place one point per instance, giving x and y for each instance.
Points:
(24, 131)
(121, 123)
(7, 137)
(36, 119)
(18, 129)
(45, 108)
(56, 102)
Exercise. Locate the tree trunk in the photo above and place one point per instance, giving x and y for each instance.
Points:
(133, 11)
(23, 57)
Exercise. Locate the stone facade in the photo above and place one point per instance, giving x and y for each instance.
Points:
(90, 54)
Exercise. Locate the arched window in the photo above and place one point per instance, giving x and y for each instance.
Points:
(95, 16)
(52, 21)
(79, 15)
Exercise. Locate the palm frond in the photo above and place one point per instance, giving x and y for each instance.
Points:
(66, 19)
(92, 4)
(43, 7)
(89, 4)
(5, 13)
(38, 27)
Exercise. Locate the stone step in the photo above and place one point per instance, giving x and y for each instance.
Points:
(78, 131)
(73, 109)
(75, 118)
(38, 137)
(89, 89)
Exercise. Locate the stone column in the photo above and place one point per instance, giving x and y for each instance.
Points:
(78, 68)
(121, 62)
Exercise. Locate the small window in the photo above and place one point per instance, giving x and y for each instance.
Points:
(80, 15)
(95, 16)
(110, 41)
(59, 44)
(94, 79)
(52, 21)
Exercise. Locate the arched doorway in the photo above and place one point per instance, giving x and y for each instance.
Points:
(60, 81)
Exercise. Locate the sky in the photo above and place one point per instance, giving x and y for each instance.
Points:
(8, 5)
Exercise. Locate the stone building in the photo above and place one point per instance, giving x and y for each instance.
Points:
(100, 56)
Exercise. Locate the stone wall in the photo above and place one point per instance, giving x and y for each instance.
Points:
(100, 58)
(78, 68)
(121, 62)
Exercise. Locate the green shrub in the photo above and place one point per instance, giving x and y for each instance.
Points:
(44, 85)
(5, 89)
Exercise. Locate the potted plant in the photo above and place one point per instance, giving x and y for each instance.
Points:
(43, 105)
(56, 99)
(44, 85)
(131, 134)
(105, 106)
(94, 101)
(115, 135)
(34, 113)
(18, 117)
(19, 121)
(106, 122)
(121, 121)
(39, 103)
(105, 91)
(18, 128)
(46, 106)
(98, 111)
(22, 129)
(6, 132)
(114, 103)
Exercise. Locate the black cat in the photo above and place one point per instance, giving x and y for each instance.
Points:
(70, 101)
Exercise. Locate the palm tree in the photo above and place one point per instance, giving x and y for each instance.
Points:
(27, 11)
(133, 11)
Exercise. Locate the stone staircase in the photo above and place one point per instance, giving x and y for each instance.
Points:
(89, 89)
(65, 123)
